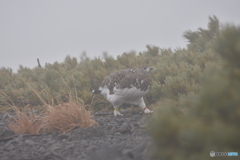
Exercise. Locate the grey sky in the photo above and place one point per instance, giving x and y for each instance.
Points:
(51, 29)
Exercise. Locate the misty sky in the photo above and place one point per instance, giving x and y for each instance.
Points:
(52, 29)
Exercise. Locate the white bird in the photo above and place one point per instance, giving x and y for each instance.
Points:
(127, 86)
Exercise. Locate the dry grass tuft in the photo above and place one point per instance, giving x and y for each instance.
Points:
(62, 118)
(67, 116)
(25, 122)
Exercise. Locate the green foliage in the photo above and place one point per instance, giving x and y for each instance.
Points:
(210, 121)
(228, 45)
(202, 39)
(176, 75)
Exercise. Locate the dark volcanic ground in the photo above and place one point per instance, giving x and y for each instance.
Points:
(115, 138)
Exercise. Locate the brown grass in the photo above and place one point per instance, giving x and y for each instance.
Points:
(67, 116)
(25, 122)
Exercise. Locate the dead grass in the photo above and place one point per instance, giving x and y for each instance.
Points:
(24, 122)
(62, 118)
(67, 116)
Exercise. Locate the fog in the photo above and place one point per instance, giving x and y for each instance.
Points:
(51, 30)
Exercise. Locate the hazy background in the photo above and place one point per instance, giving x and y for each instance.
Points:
(51, 29)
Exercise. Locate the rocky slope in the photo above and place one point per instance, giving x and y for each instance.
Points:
(114, 138)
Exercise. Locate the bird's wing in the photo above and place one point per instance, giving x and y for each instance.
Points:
(135, 78)
(127, 78)
(114, 79)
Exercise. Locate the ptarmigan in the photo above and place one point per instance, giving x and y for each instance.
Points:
(127, 86)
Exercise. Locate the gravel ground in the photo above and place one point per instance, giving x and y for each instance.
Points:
(115, 138)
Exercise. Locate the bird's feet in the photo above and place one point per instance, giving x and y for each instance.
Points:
(116, 112)
(147, 111)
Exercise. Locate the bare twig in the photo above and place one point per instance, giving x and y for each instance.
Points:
(7, 138)
(39, 65)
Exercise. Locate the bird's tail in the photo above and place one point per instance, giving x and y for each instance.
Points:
(96, 91)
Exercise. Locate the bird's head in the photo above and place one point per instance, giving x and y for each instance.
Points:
(146, 68)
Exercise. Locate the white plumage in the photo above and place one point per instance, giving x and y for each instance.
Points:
(127, 86)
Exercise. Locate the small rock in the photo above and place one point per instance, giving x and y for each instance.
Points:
(123, 130)
(5, 115)
(7, 133)
(118, 134)
(29, 142)
(128, 154)
(42, 149)
(62, 136)
(107, 153)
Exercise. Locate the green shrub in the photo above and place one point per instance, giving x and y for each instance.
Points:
(210, 122)
(176, 74)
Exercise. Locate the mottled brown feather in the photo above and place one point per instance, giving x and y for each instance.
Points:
(128, 78)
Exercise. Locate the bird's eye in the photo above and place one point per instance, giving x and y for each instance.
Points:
(145, 68)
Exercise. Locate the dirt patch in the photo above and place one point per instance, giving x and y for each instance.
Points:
(122, 138)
